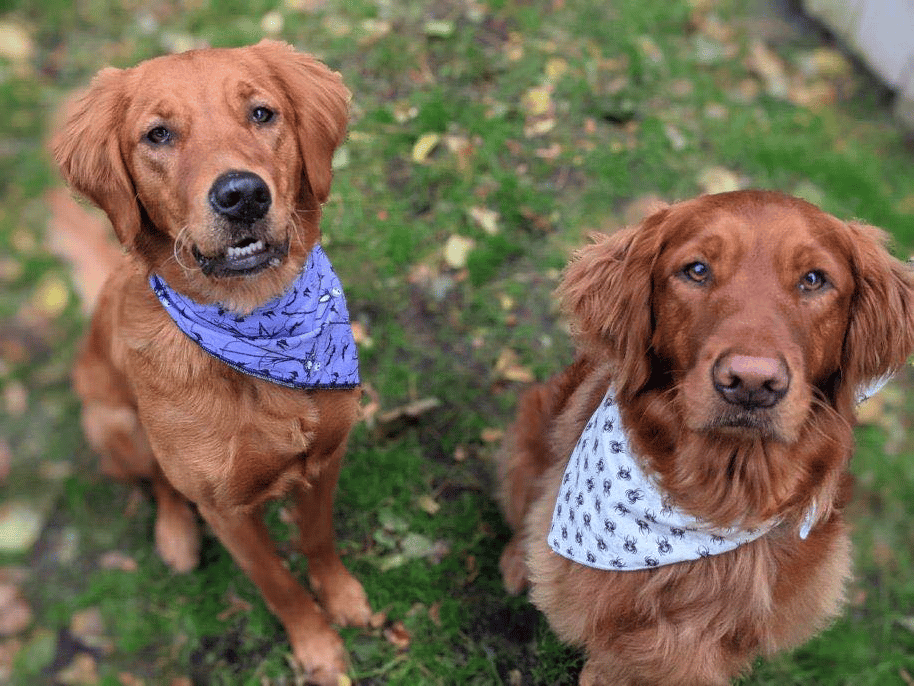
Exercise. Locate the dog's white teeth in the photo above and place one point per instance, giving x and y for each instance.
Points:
(257, 246)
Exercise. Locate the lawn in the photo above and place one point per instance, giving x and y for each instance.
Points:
(488, 139)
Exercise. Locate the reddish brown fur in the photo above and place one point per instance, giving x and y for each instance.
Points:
(154, 404)
(655, 336)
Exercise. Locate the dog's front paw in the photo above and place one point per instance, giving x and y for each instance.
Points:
(321, 656)
(342, 597)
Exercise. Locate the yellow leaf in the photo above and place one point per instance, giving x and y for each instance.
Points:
(424, 146)
(428, 504)
(538, 101)
(456, 250)
(556, 68)
(51, 297)
(486, 219)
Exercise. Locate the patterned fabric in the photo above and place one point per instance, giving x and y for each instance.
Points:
(303, 339)
(610, 515)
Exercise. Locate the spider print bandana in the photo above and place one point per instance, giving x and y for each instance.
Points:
(303, 339)
(610, 515)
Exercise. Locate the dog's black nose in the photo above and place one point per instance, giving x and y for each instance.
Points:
(240, 196)
(754, 382)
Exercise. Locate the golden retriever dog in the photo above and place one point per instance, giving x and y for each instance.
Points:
(220, 365)
(677, 493)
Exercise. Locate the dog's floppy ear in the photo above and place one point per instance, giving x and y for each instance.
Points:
(607, 291)
(88, 152)
(880, 330)
(321, 105)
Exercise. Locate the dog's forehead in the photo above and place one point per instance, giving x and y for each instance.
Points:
(199, 77)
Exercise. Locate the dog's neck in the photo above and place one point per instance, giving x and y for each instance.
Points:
(611, 513)
(303, 339)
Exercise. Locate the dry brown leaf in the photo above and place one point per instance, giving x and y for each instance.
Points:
(15, 398)
(491, 435)
(119, 561)
(510, 369)
(428, 504)
(397, 635)
(83, 671)
(236, 605)
(15, 612)
(128, 679)
(770, 68)
(6, 460)
(89, 627)
(486, 219)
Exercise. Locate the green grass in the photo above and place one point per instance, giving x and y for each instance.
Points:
(637, 112)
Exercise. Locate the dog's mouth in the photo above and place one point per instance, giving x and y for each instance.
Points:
(759, 422)
(245, 258)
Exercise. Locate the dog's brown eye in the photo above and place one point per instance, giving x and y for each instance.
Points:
(261, 115)
(812, 281)
(159, 135)
(698, 272)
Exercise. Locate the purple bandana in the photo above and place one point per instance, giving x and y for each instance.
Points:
(302, 339)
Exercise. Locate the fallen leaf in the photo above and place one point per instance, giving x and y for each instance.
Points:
(435, 613)
(15, 612)
(439, 28)
(83, 671)
(118, 561)
(236, 605)
(6, 460)
(51, 297)
(675, 137)
(556, 68)
(718, 180)
(272, 23)
(424, 146)
(16, 44)
(9, 650)
(15, 398)
(492, 435)
(770, 68)
(416, 546)
(407, 413)
(128, 679)
(486, 219)
(397, 635)
(509, 368)
(89, 627)
(550, 153)
(428, 504)
(20, 525)
(456, 250)
(650, 49)
(540, 111)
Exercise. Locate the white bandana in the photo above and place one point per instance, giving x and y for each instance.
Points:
(610, 515)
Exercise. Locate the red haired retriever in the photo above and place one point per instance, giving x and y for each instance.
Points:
(220, 364)
(677, 493)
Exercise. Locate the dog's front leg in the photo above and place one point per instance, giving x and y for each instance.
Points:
(341, 595)
(315, 644)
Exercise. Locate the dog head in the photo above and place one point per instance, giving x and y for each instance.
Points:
(212, 165)
(741, 327)
(748, 304)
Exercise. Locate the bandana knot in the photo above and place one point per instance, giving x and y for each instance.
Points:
(302, 339)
